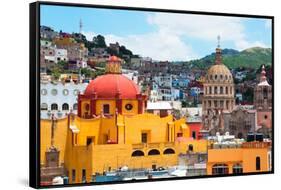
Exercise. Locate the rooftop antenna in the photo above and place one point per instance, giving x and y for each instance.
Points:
(80, 26)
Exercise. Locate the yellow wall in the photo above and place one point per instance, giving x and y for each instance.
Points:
(231, 156)
(99, 156)
(59, 138)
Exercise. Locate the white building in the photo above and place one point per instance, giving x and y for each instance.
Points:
(162, 108)
(59, 98)
(60, 55)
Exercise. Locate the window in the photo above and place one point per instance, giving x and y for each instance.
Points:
(137, 153)
(210, 90)
(144, 137)
(258, 163)
(230, 90)
(264, 93)
(221, 77)
(65, 107)
(216, 90)
(226, 90)
(209, 103)
(65, 92)
(83, 176)
(216, 103)
(219, 169)
(169, 151)
(106, 108)
(194, 134)
(75, 106)
(221, 90)
(237, 169)
(216, 76)
(73, 176)
(44, 106)
(89, 140)
(221, 103)
(179, 134)
(227, 104)
(87, 107)
(129, 107)
(54, 106)
(190, 147)
(76, 92)
(265, 116)
(153, 152)
(54, 92)
(43, 92)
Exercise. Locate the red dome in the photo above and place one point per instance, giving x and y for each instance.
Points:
(110, 85)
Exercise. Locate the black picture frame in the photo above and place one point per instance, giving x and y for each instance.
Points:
(34, 92)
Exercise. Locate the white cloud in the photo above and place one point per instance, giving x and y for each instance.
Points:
(199, 26)
(166, 43)
(157, 45)
(89, 35)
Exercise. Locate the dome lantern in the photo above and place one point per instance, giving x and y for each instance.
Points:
(113, 65)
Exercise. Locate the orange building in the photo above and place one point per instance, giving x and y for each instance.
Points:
(245, 158)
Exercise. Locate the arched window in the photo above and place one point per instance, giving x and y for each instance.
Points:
(219, 169)
(226, 90)
(237, 169)
(190, 147)
(258, 163)
(137, 153)
(54, 106)
(87, 107)
(65, 107)
(216, 90)
(210, 90)
(153, 152)
(75, 106)
(169, 151)
(44, 106)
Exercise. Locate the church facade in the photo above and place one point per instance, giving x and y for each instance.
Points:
(218, 95)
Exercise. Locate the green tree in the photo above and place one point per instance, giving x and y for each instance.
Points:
(99, 41)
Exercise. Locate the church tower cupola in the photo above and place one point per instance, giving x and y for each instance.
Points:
(113, 65)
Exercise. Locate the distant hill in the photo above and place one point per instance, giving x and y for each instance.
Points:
(248, 58)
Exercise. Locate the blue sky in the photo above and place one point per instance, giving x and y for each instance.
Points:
(162, 36)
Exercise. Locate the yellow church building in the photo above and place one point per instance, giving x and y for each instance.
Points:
(112, 130)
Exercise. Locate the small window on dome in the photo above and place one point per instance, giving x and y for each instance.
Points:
(129, 107)
(221, 77)
(225, 77)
